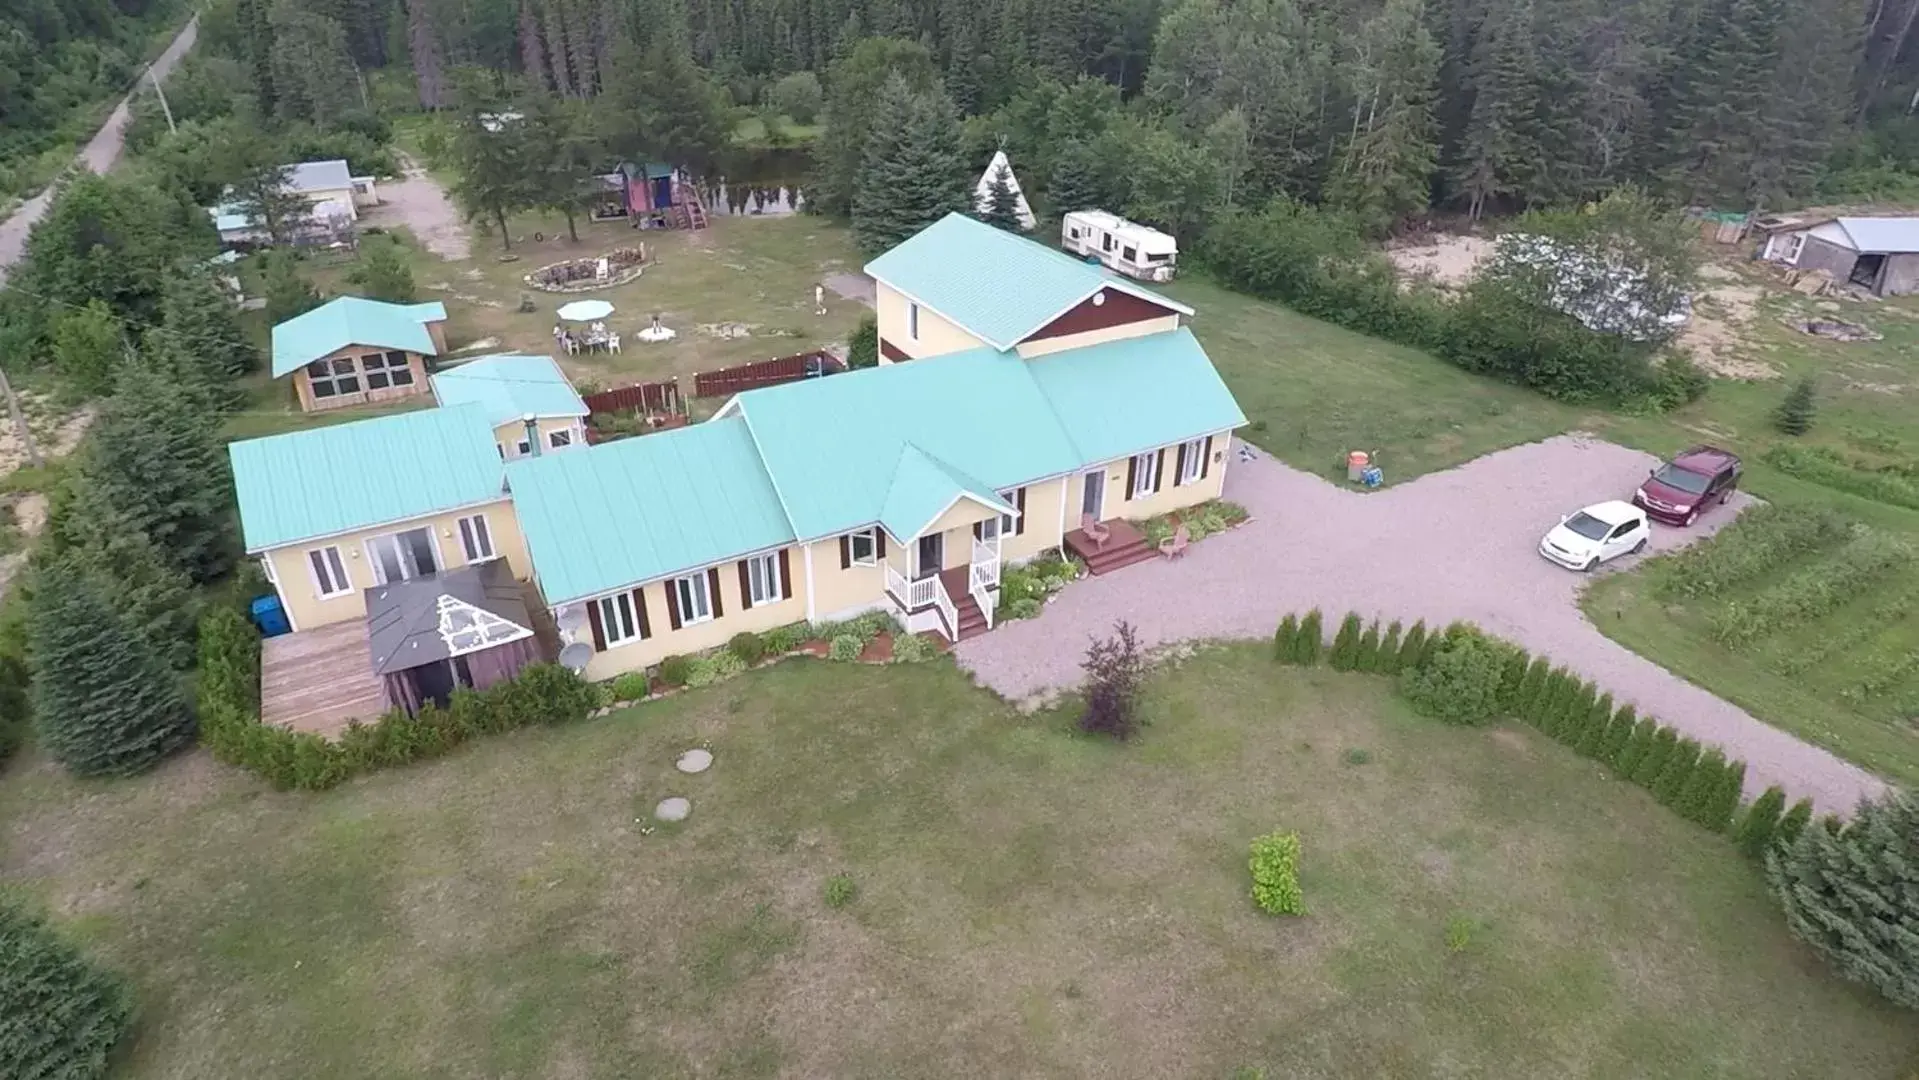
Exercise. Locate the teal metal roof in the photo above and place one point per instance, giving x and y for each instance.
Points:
(834, 447)
(997, 286)
(353, 320)
(610, 516)
(1126, 396)
(330, 480)
(510, 388)
(923, 488)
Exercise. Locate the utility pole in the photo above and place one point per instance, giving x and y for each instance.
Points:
(162, 95)
(20, 429)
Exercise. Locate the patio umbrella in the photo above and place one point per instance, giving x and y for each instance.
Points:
(585, 310)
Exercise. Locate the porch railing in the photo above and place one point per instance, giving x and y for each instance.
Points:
(921, 593)
(948, 613)
(985, 566)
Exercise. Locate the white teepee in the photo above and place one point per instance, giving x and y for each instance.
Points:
(983, 191)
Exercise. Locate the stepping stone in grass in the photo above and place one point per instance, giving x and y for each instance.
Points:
(694, 761)
(673, 809)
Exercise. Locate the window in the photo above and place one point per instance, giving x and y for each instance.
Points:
(913, 321)
(330, 378)
(1624, 529)
(402, 556)
(1192, 458)
(386, 369)
(329, 573)
(1794, 245)
(1145, 467)
(763, 585)
(694, 604)
(1008, 524)
(1105, 242)
(618, 623)
(476, 539)
(557, 439)
(522, 448)
(864, 548)
(1130, 254)
(1072, 232)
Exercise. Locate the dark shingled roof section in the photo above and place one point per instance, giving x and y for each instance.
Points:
(403, 618)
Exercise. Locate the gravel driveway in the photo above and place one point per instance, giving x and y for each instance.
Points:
(1460, 544)
(419, 204)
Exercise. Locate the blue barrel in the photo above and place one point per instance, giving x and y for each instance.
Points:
(270, 617)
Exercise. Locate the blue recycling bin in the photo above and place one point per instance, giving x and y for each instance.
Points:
(270, 617)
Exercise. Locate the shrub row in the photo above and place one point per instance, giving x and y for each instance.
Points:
(1023, 589)
(1763, 539)
(1828, 468)
(1206, 519)
(230, 724)
(1462, 675)
(1811, 592)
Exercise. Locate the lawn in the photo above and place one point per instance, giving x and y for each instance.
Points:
(1031, 903)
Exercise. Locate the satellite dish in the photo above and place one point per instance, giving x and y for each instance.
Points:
(575, 656)
(571, 616)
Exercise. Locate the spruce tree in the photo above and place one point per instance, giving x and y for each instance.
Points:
(1619, 733)
(1794, 823)
(1413, 647)
(911, 174)
(1639, 743)
(1346, 643)
(1676, 772)
(1311, 639)
(1285, 640)
(1366, 658)
(1532, 690)
(381, 271)
(1760, 822)
(155, 456)
(64, 1014)
(197, 315)
(1653, 762)
(1002, 203)
(87, 526)
(1597, 729)
(104, 701)
(1854, 895)
(1794, 414)
(1389, 649)
(1075, 183)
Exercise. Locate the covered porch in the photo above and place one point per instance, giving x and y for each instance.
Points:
(947, 580)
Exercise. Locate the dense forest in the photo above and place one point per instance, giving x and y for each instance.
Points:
(59, 55)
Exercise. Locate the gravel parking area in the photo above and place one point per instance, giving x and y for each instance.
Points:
(1460, 544)
(418, 203)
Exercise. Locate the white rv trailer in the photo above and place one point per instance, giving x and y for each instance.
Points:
(1121, 245)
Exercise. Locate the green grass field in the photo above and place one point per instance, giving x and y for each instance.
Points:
(1031, 903)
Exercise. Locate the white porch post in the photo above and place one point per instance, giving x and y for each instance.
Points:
(808, 557)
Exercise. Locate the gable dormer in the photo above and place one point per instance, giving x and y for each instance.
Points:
(1109, 314)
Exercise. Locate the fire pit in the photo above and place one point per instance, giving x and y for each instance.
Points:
(1834, 329)
(616, 267)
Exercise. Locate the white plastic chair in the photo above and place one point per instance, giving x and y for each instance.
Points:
(612, 342)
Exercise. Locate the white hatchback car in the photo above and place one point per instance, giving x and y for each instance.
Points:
(1597, 534)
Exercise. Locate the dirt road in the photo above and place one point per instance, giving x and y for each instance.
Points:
(98, 155)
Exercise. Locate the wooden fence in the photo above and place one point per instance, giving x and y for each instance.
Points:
(651, 398)
(774, 372)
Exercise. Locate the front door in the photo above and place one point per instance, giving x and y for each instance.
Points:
(1094, 498)
(402, 556)
(930, 556)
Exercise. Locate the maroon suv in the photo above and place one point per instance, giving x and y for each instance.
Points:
(1680, 490)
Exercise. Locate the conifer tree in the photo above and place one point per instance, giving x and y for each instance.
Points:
(1428, 648)
(64, 1014)
(1389, 649)
(1724, 803)
(1512, 679)
(1652, 763)
(1639, 744)
(85, 524)
(1851, 895)
(1413, 647)
(1385, 168)
(1501, 143)
(1794, 414)
(381, 272)
(1676, 772)
(1002, 203)
(1597, 728)
(1285, 639)
(1695, 799)
(1794, 823)
(1076, 183)
(1532, 690)
(1578, 710)
(197, 315)
(1560, 687)
(1759, 823)
(911, 174)
(1346, 643)
(1625, 724)
(104, 701)
(1311, 639)
(1366, 657)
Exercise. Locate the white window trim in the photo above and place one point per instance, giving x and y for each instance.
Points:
(770, 589)
(1192, 459)
(407, 574)
(610, 610)
(557, 440)
(1008, 526)
(483, 530)
(1795, 244)
(1143, 470)
(872, 557)
(337, 562)
(681, 593)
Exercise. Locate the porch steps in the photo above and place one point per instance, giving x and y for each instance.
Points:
(972, 621)
(1116, 554)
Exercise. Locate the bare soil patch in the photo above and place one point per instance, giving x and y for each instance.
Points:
(1448, 260)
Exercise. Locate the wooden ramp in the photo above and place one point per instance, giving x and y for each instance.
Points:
(318, 680)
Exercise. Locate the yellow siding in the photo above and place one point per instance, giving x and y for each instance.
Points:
(937, 335)
(961, 515)
(736, 618)
(1170, 496)
(293, 574)
(1030, 349)
(836, 590)
(508, 435)
(1042, 523)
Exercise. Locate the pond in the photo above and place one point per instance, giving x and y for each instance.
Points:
(758, 181)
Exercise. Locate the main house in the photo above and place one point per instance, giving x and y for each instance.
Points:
(354, 351)
(1045, 405)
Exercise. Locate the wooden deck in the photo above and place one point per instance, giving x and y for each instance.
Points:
(1126, 546)
(318, 680)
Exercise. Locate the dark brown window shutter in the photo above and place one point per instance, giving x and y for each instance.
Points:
(977, 534)
(846, 552)
(713, 587)
(1132, 475)
(879, 541)
(1019, 502)
(1159, 469)
(746, 586)
(786, 577)
(1206, 457)
(639, 612)
(673, 604)
(1179, 464)
(599, 633)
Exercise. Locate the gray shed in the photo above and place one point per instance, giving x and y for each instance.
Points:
(433, 634)
(1880, 254)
